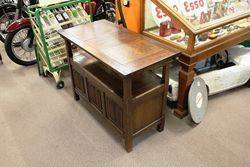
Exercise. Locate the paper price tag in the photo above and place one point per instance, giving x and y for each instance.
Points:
(65, 16)
(59, 18)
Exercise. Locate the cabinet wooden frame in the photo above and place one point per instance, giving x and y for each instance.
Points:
(131, 123)
(193, 54)
(114, 73)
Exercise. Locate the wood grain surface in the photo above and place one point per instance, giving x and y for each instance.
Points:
(121, 49)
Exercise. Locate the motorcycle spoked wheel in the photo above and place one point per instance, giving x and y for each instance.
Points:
(20, 50)
(110, 11)
(7, 16)
(222, 58)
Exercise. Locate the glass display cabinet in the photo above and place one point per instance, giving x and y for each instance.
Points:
(199, 28)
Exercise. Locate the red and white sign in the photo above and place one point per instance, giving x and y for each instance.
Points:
(195, 9)
(158, 15)
(188, 8)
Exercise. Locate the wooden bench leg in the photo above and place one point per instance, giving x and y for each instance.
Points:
(1, 60)
(70, 56)
(129, 143)
(76, 96)
(127, 118)
(161, 126)
(165, 81)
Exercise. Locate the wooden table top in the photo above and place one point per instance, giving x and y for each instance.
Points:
(124, 51)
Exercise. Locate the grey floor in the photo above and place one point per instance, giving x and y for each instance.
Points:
(41, 126)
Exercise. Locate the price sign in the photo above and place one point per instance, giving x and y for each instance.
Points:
(192, 6)
(158, 15)
(194, 9)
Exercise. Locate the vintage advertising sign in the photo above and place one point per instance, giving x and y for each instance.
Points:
(194, 8)
(191, 9)
(158, 15)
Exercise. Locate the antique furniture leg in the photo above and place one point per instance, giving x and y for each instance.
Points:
(1, 60)
(165, 80)
(186, 77)
(127, 96)
(70, 56)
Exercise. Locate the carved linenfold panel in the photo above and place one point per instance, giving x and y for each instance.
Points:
(95, 96)
(147, 112)
(79, 82)
(113, 112)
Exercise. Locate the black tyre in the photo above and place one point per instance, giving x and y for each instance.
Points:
(221, 59)
(7, 16)
(106, 11)
(248, 83)
(19, 48)
(60, 85)
(110, 11)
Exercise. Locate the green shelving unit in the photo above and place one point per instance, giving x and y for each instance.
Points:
(50, 47)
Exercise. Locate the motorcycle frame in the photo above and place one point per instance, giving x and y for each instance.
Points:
(18, 24)
(98, 4)
(21, 10)
(5, 5)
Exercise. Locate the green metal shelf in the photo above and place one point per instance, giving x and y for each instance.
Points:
(50, 48)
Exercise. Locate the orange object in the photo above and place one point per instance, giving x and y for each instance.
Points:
(132, 15)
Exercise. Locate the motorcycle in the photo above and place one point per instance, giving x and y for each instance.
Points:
(19, 44)
(105, 9)
(7, 16)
